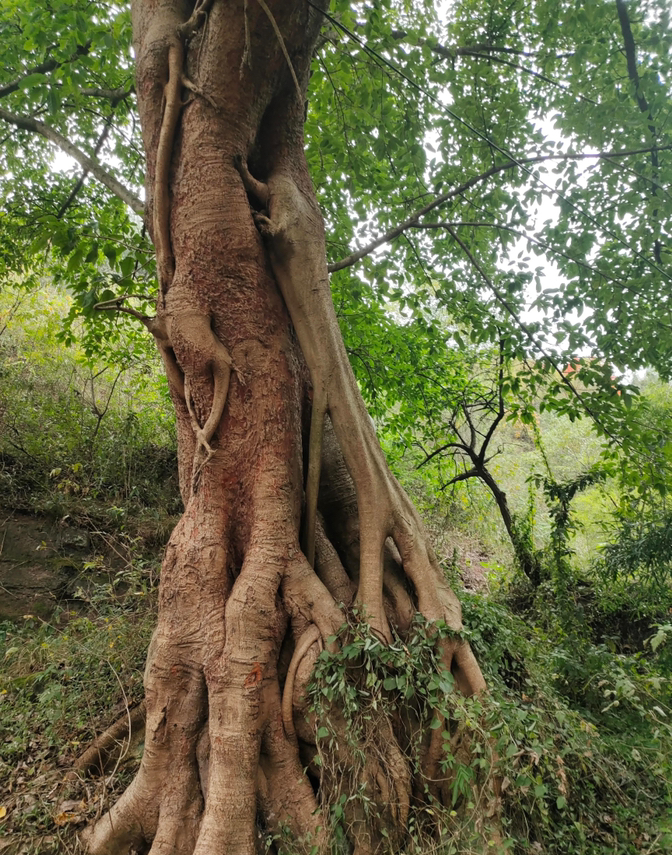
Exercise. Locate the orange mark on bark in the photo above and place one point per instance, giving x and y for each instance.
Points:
(253, 677)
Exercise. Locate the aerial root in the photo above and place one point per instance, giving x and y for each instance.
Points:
(330, 569)
(197, 18)
(158, 328)
(192, 336)
(466, 670)
(308, 601)
(365, 762)
(310, 636)
(287, 798)
(252, 185)
(172, 106)
(195, 89)
(317, 416)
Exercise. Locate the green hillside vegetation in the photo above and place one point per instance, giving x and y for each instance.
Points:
(578, 719)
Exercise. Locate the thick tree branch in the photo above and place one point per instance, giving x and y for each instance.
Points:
(93, 166)
(631, 53)
(412, 221)
(42, 68)
(116, 304)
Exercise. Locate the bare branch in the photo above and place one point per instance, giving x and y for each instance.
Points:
(100, 414)
(411, 221)
(93, 166)
(117, 305)
(458, 445)
(479, 47)
(500, 407)
(113, 95)
(463, 476)
(472, 429)
(530, 71)
(487, 51)
(522, 234)
(82, 178)
(530, 336)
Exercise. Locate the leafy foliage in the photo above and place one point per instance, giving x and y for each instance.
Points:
(75, 433)
(575, 774)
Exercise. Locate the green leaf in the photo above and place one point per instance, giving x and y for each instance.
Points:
(32, 80)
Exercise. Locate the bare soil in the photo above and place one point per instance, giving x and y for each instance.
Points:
(41, 564)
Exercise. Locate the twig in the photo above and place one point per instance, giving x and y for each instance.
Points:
(82, 178)
(530, 336)
(530, 71)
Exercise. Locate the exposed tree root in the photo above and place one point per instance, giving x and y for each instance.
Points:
(112, 743)
(243, 609)
(311, 636)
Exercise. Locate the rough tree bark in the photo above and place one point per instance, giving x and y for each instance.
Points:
(251, 346)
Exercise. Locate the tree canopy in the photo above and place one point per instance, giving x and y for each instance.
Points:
(503, 168)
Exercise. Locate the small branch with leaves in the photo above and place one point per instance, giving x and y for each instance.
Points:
(90, 164)
(415, 218)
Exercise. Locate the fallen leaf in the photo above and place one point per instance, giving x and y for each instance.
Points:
(70, 811)
(64, 818)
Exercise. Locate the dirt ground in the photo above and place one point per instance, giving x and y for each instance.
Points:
(42, 564)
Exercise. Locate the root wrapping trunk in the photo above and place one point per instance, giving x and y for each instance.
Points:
(256, 578)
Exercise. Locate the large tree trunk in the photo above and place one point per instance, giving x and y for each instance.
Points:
(249, 338)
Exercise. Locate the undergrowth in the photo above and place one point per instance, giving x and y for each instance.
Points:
(574, 733)
(77, 436)
(61, 682)
(578, 771)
